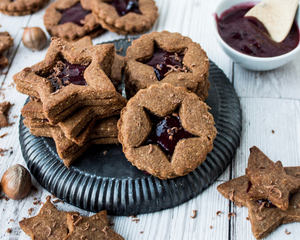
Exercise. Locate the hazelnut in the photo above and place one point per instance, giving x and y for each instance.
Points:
(16, 182)
(34, 38)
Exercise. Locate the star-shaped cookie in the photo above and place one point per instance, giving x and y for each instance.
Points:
(271, 182)
(48, 224)
(94, 227)
(52, 81)
(263, 216)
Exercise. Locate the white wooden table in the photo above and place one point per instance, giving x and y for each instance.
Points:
(269, 101)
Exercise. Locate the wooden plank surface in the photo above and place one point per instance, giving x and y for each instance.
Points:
(269, 102)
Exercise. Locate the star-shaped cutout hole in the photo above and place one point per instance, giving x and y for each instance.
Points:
(272, 183)
(94, 227)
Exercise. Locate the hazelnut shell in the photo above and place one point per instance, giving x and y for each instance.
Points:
(16, 182)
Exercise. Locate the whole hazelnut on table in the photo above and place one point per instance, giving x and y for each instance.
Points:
(16, 182)
(34, 38)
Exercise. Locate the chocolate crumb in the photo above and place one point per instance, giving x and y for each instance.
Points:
(3, 135)
(273, 131)
(135, 220)
(49, 233)
(260, 218)
(218, 213)
(110, 223)
(287, 232)
(8, 230)
(105, 230)
(141, 232)
(150, 148)
(231, 194)
(30, 210)
(194, 214)
(231, 214)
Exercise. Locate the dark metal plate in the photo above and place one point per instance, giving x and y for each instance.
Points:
(97, 181)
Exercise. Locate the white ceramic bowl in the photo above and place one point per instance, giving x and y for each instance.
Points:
(246, 61)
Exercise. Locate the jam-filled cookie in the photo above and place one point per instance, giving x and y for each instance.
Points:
(21, 7)
(71, 19)
(167, 58)
(6, 42)
(166, 131)
(72, 76)
(125, 16)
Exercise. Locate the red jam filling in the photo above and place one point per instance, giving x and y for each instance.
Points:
(126, 6)
(164, 62)
(65, 73)
(167, 132)
(75, 14)
(249, 36)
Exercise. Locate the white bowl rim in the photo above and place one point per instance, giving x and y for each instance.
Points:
(262, 59)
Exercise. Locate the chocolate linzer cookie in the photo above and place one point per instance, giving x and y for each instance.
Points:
(6, 42)
(264, 216)
(125, 16)
(21, 7)
(167, 58)
(71, 20)
(272, 183)
(72, 76)
(166, 131)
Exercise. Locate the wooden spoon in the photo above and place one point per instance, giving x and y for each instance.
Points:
(277, 16)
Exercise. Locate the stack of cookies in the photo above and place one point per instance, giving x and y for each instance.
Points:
(270, 191)
(166, 128)
(73, 99)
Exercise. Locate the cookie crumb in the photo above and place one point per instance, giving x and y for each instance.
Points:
(247, 218)
(194, 214)
(218, 213)
(141, 232)
(231, 214)
(11, 220)
(287, 232)
(8, 230)
(273, 131)
(211, 227)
